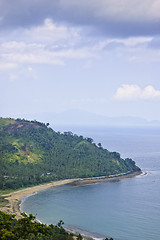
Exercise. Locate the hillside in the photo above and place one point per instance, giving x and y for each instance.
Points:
(27, 228)
(32, 153)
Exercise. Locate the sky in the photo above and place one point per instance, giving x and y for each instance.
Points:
(100, 56)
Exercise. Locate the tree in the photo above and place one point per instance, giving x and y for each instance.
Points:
(27, 228)
(90, 140)
(79, 237)
(60, 223)
(99, 145)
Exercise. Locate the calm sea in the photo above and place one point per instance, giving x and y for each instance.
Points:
(128, 209)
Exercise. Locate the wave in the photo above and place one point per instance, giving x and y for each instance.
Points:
(24, 198)
(85, 233)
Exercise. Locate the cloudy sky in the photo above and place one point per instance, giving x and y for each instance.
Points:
(101, 56)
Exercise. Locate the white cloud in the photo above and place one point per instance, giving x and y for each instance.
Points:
(7, 66)
(14, 53)
(48, 43)
(150, 92)
(133, 41)
(134, 92)
(54, 44)
(51, 32)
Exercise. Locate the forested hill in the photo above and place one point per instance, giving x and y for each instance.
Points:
(32, 153)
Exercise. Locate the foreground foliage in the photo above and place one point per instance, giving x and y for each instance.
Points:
(32, 153)
(27, 228)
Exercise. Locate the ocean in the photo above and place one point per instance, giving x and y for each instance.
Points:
(128, 209)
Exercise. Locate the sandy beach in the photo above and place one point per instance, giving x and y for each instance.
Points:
(14, 198)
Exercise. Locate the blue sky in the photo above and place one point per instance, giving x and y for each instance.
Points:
(101, 56)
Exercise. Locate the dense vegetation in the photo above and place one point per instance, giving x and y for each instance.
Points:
(32, 153)
(27, 228)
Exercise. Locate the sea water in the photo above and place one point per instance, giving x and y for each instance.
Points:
(128, 209)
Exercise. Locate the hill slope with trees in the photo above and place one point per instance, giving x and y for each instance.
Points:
(32, 153)
(27, 228)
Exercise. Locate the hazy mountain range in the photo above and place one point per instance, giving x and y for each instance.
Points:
(79, 117)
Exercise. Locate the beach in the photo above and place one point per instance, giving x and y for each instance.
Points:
(14, 199)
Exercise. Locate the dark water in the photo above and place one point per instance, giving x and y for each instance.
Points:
(125, 210)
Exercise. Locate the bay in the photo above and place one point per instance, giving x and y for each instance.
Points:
(128, 209)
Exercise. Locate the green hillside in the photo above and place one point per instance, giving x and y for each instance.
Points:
(32, 153)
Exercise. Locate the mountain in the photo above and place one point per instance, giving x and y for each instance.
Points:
(79, 117)
(32, 153)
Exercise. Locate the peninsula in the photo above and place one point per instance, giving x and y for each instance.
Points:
(31, 153)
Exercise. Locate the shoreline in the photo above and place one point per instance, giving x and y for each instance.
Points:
(15, 198)
(110, 178)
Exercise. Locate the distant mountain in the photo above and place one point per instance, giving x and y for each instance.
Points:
(32, 153)
(79, 117)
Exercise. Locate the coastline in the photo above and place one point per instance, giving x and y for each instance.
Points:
(111, 178)
(15, 198)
